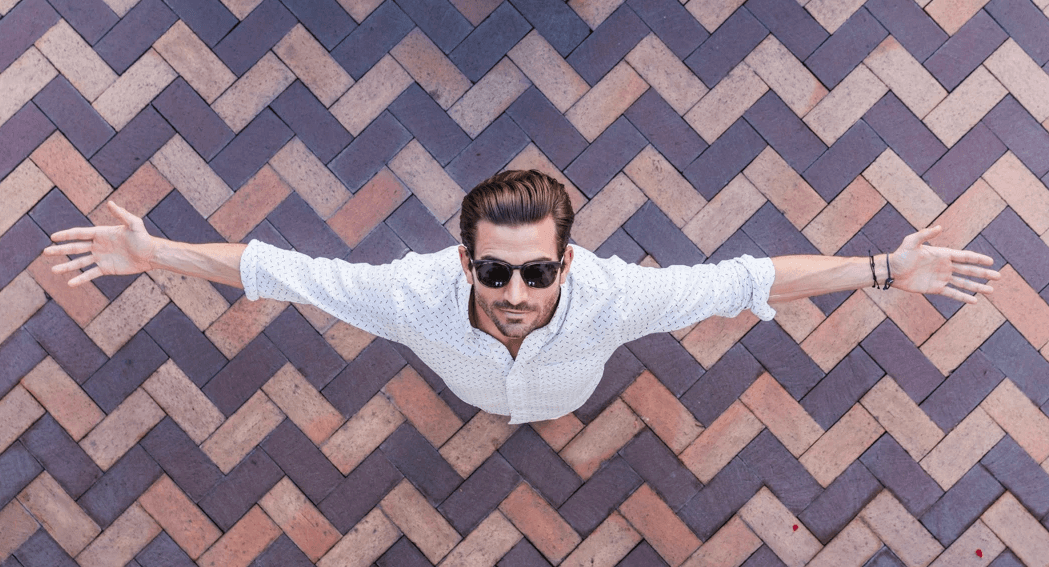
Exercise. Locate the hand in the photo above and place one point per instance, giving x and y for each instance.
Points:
(115, 250)
(928, 269)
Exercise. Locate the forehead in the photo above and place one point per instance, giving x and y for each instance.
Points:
(517, 244)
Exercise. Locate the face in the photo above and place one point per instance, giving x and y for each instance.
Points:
(515, 309)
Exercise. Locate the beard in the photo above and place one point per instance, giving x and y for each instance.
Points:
(518, 325)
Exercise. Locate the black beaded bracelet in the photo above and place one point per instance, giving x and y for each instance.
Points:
(888, 281)
(873, 276)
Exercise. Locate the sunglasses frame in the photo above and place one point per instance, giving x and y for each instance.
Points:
(560, 264)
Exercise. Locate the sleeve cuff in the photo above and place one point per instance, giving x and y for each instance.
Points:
(248, 269)
(762, 274)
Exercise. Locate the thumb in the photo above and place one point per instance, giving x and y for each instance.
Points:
(915, 240)
(129, 219)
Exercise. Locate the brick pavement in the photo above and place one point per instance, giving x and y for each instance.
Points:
(159, 420)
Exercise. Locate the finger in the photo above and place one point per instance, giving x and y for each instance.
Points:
(68, 249)
(85, 277)
(75, 264)
(969, 257)
(956, 295)
(970, 285)
(79, 233)
(976, 272)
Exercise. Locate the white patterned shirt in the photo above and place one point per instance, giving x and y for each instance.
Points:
(422, 301)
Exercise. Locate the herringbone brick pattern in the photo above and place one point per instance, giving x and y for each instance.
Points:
(159, 420)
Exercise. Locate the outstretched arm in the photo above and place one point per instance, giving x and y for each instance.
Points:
(129, 249)
(915, 267)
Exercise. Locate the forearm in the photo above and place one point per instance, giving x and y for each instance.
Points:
(218, 262)
(805, 276)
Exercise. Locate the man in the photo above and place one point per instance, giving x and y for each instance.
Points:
(493, 325)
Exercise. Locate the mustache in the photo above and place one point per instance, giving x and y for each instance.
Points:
(512, 307)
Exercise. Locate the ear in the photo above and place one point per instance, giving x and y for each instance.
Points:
(569, 255)
(464, 259)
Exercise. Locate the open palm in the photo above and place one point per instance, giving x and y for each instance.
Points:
(931, 269)
(114, 250)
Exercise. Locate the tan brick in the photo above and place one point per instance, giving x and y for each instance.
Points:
(378, 199)
(774, 524)
(712, 13)
(62, 398)
(300, 519)
(558, 432)
(489, 97)
(962, 552)
(18, 410)
(663, 530)
(599, 440)
(902, 418)
(419, 521)
(192, 176)
(121, 7)
(907, 78)
(75, 59)
(493, 538)
(961, 334)
(81, 303)
(543, 526)
(952, 14)
(1018, 73)
(965, 106)
(314, 182)
(71, 173)
(532, 158)
(846, 104)
(781, 185)
(1022, 306)
(126, 315)
(312, 64)
(1020, 418)
(253, 91)
(197, 298)
(303, 404)
(831, 14)
(662, 412)
(369, 96)
(1018, 530)
(726, 102)
(363, 544)
(898, 529)
(842, 331)
(235, 438)
(911, 312)
(609, 209)
(427, 180)
(431, 68)
(250, 205)
(6, 5)
(714, 336)
(593, 12)
(18, 526)
(21, 189)
(347, 340)
(968, 215)
(476, 441)
(180, 517)
(122, 429)
(721, 442)
(241, 323)
(550, 73)
(320, 320)
(427, 412)
(724, 214)
(785, 75)
(799, 317)
(729, 547)
(194, 61)
(1021, 189)
(606, 545)
(843, 443)
(844, 216)
(22, 80)
(452, 226)
(359, 9)
(665, 73)
(784, 416)
(362, 434)
(136, 88)
(18, 301)
(606, 101)
(852, 547)
(63, 518)
(122, 540)
(902, 188)
(137, 195)
(661, 182)
(239, 546)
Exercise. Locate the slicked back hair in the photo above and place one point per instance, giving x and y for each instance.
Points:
(514, 198)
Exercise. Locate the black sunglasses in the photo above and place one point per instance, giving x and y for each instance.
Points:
(496, 273)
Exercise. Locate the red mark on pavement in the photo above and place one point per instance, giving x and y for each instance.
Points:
(795, 527)
(979, 553)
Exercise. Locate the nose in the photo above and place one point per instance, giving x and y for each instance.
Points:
(516, 290)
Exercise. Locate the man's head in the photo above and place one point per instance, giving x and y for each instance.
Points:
(516, 217)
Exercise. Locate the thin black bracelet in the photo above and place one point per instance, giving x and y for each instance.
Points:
(889, 280)
(874, 277)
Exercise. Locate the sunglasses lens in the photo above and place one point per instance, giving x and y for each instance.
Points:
(492, 274)
(540, 275)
